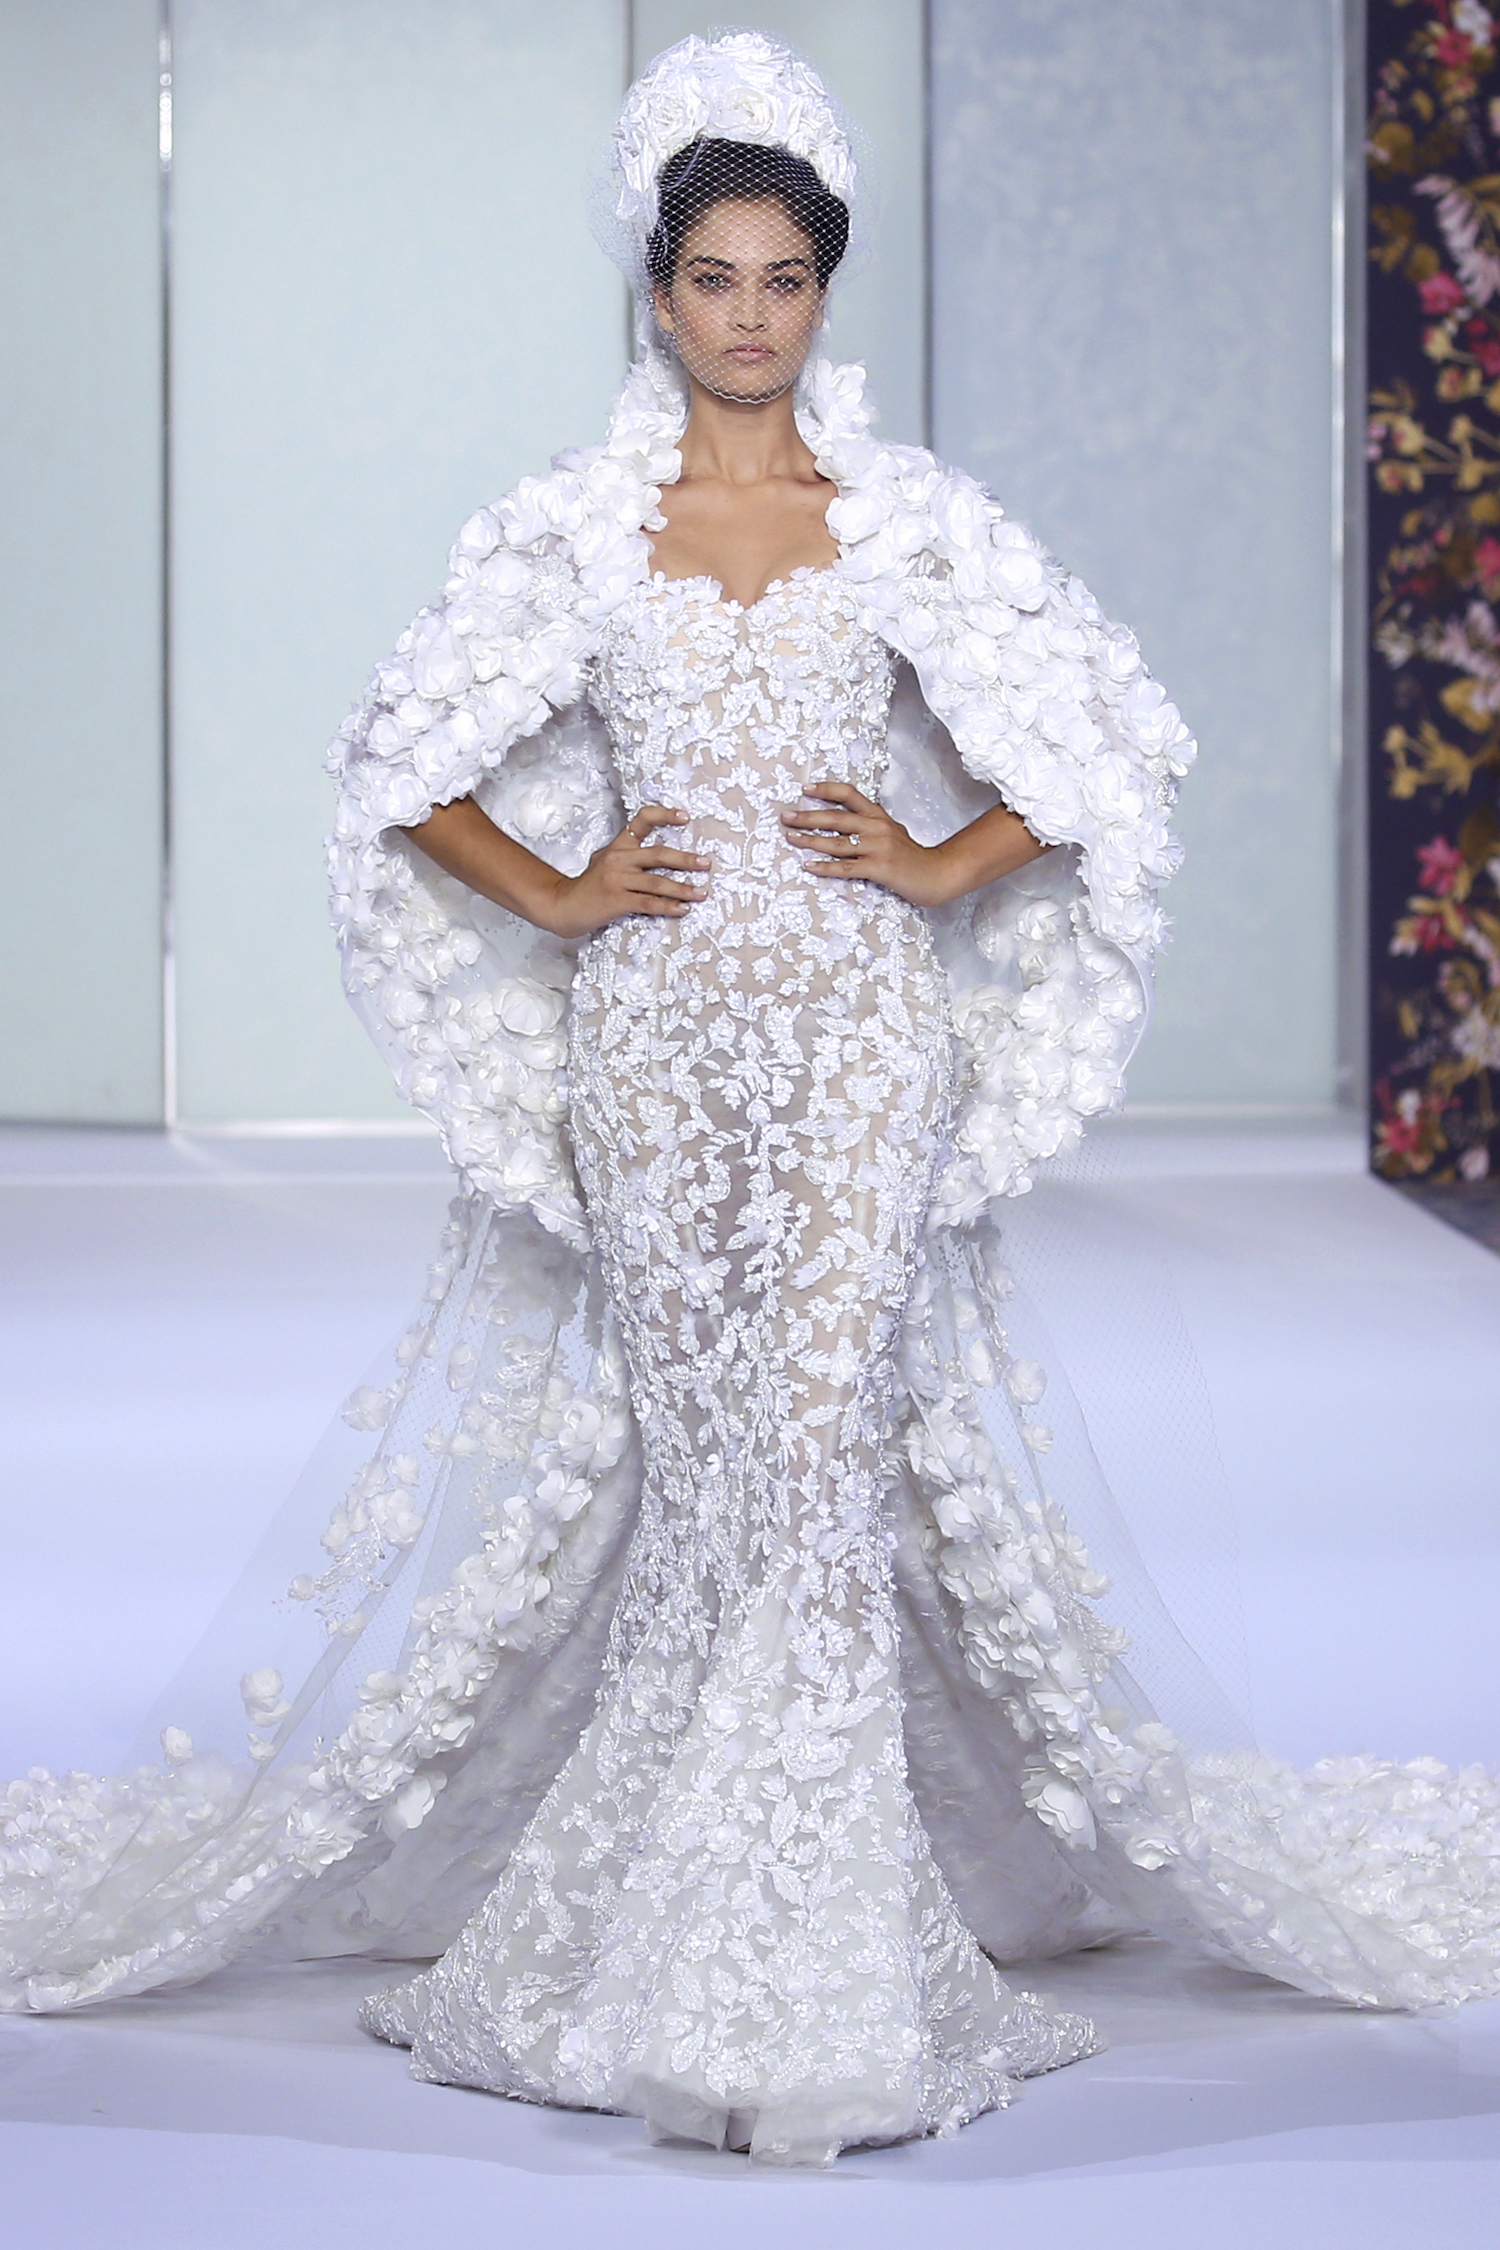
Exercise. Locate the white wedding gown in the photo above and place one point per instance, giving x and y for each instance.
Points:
(726, 1916)
(719, 1662)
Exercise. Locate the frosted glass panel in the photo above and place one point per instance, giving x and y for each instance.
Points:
(80, 562)
(388, 306)
(1132, 290)
(872, 56)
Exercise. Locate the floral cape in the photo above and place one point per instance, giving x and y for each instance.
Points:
(1018, 686)
(400, 1714)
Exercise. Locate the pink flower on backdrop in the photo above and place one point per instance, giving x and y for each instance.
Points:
(1487, 560)
(1440, 293)
(1441, 862)
(1454, 49)
(1487, 352)
(1422, 933)
(1402, 1139)
(1401, 1134)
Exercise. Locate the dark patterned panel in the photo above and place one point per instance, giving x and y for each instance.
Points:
(1434, 356)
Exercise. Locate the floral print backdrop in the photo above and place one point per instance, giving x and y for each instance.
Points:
(1434, 450)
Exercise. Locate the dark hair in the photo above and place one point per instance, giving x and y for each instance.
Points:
(707, 172)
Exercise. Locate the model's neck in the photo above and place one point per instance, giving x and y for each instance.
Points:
(734, 442)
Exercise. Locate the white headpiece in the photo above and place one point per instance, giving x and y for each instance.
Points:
(740, 86)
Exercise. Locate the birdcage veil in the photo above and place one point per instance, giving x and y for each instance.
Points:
(736, 117)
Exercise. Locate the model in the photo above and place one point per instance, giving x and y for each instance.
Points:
(751, 865)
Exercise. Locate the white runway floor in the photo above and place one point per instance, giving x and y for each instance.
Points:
(179, 1320)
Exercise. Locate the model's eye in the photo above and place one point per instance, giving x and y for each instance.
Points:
(711, 281)
(788, 284)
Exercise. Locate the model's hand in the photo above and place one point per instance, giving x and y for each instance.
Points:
(625, 877)
(869, 845)
(866, 843)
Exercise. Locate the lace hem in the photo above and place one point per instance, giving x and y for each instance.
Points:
(801, 2127)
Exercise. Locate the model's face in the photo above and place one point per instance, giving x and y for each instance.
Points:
(744, 303)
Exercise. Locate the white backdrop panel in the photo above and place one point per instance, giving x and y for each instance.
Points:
(388, 306)
(80, 562)
(1132, 282)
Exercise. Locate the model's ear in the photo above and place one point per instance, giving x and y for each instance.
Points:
(661, 305)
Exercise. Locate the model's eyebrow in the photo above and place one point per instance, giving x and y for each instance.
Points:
(773, 265)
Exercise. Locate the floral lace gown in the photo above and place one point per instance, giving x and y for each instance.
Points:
(726, 1916)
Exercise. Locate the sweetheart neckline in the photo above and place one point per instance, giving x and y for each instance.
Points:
(727, 601)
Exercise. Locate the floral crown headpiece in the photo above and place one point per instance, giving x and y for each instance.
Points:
(740, 86)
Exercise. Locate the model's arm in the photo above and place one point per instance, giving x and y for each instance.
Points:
(867, 843)
(623, 877)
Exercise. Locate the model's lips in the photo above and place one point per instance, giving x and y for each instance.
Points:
(750, 351)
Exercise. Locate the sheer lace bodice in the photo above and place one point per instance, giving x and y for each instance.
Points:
(727, 712)
(727, 1915)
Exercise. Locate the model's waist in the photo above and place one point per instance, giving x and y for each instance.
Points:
(749, 842)
(766, 907)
